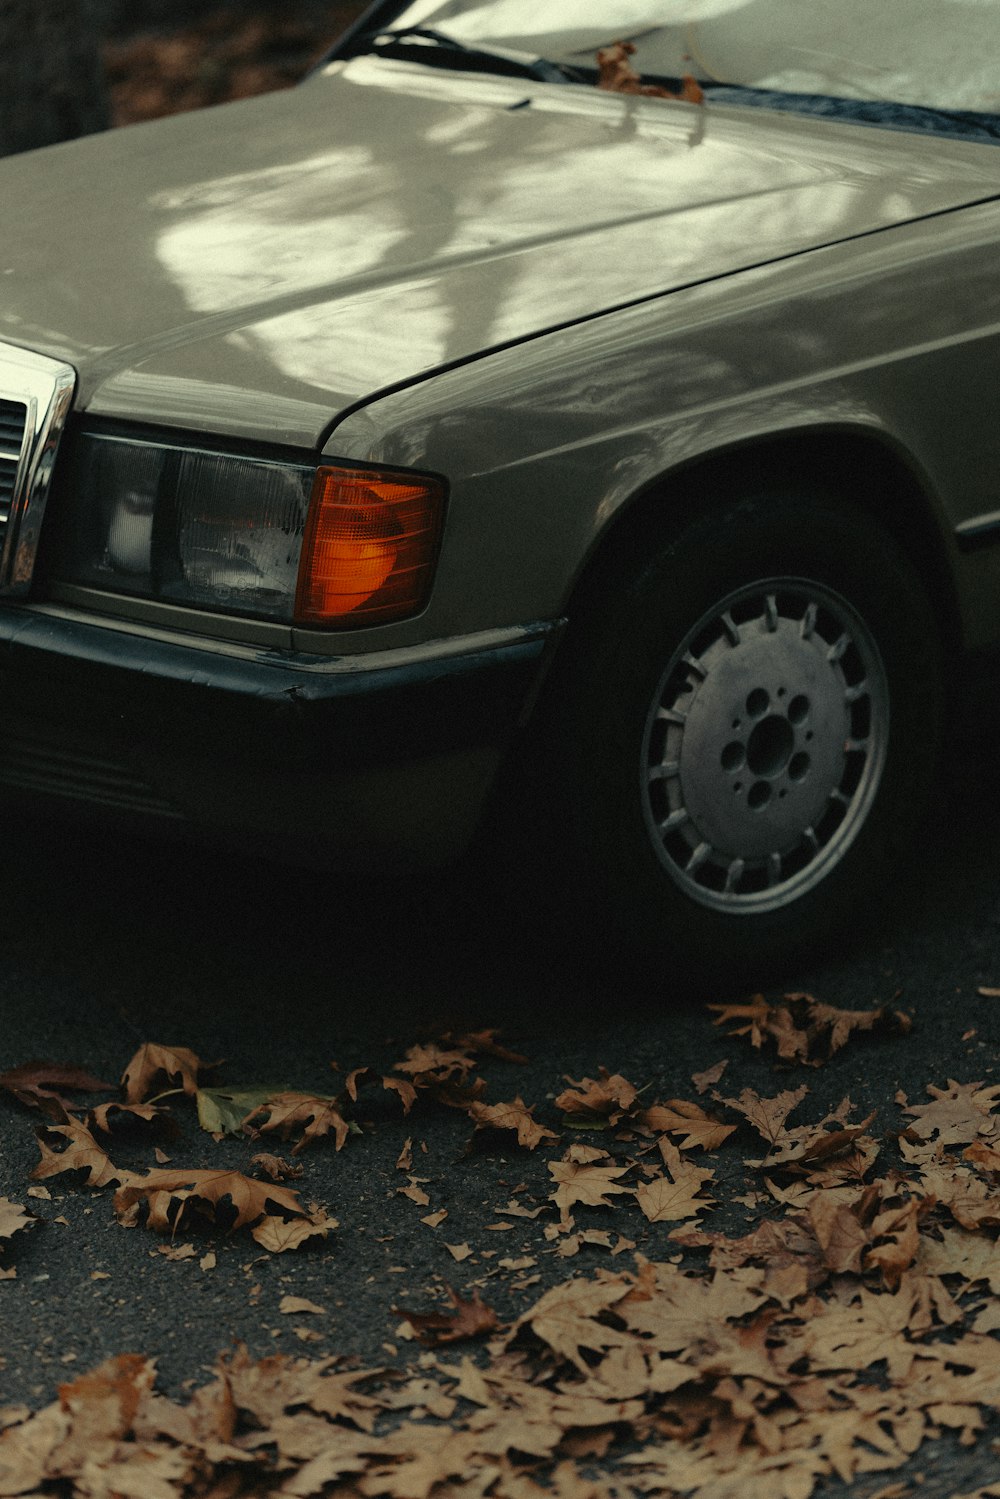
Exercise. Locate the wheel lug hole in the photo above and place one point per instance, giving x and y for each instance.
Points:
(770, 746)
(733, 756)
(758, 703)
(798, 709)
(798, 767)
(760, 795)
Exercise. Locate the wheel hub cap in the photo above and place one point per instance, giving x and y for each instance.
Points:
(765, 745)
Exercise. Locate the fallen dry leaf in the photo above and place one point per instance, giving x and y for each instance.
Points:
(276, 1169)
(705, 1080)
(173, 1198)
(804, 1030)
(767, 1115)
(279, 1234)
(291, 1306)
(471, 1319)
(107, 1116)
(13, 1218)
(959, 1114)
(679, 1117)
(415, 1192)
(515, 1115)
(587, 1177)
(154, 1066)
(286, 1113)
(79, 1152)
(37, 1085)
(609, 1097)
(671, 1198)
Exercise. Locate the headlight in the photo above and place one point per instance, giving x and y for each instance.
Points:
(249, 535)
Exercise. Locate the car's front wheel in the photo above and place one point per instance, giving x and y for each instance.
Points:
(748, 728)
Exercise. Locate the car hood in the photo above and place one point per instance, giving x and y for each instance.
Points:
(260, 268)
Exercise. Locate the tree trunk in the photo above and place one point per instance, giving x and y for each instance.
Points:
(51, 77)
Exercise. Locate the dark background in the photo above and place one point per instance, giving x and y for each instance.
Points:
(69, 67)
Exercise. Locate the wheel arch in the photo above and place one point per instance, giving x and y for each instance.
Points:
(857, 466)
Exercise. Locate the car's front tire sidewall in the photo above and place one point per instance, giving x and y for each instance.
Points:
(615, 683)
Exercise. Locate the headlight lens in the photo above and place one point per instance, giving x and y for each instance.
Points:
(247, 535)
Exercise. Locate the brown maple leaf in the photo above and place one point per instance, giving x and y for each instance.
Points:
(174, 1197)
(767, 1115)
(678, 1117)
(337, 1397)
(515, 1115)
(280, 1234)
(79, 1152)
(470, 1319)
(959, 1113)
(985, 1157)
(443, 1074)
(810, 1146)
(569, 1318)
(705, 1080)
(36, 1084)
(152, 1066)
(869, 1329)
(972, 1256)
(485, 1043)
(969, 1200)
(610, 1097)
(804, 1030)
(587, 1176)
(108, 1115)
(286, 1113)
(840, 1230)
(401, 1086)
(671, 1198)
(753, 1018)
(430, 1063)
(13, 1217)
(677, 1312)
(895, 1239)
(834, 1027)
(777, 1246)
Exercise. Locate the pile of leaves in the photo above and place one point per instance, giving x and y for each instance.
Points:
(173, 1198)
(851, 1323)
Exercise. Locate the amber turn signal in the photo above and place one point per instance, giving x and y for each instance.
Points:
(370, 544)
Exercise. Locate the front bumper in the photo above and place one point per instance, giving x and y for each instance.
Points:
(355, 763)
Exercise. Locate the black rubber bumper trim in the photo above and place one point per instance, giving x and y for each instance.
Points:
(267, 706)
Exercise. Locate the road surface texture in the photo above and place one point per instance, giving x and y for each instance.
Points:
(109, 944)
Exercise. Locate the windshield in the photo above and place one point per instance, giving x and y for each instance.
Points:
(941, 54)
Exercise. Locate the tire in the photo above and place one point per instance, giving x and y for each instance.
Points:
(747, 728)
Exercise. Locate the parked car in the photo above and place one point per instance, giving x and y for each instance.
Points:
(448, 426)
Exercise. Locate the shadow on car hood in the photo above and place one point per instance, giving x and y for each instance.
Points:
(259, 268)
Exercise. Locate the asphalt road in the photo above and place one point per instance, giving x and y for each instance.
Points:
(107, 944)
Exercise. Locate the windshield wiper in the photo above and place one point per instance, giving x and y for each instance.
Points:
(440, 50)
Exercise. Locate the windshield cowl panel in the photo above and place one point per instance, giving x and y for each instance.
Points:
(934, 54)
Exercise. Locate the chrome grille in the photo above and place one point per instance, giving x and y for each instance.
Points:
(35, 398)
(13, 420)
